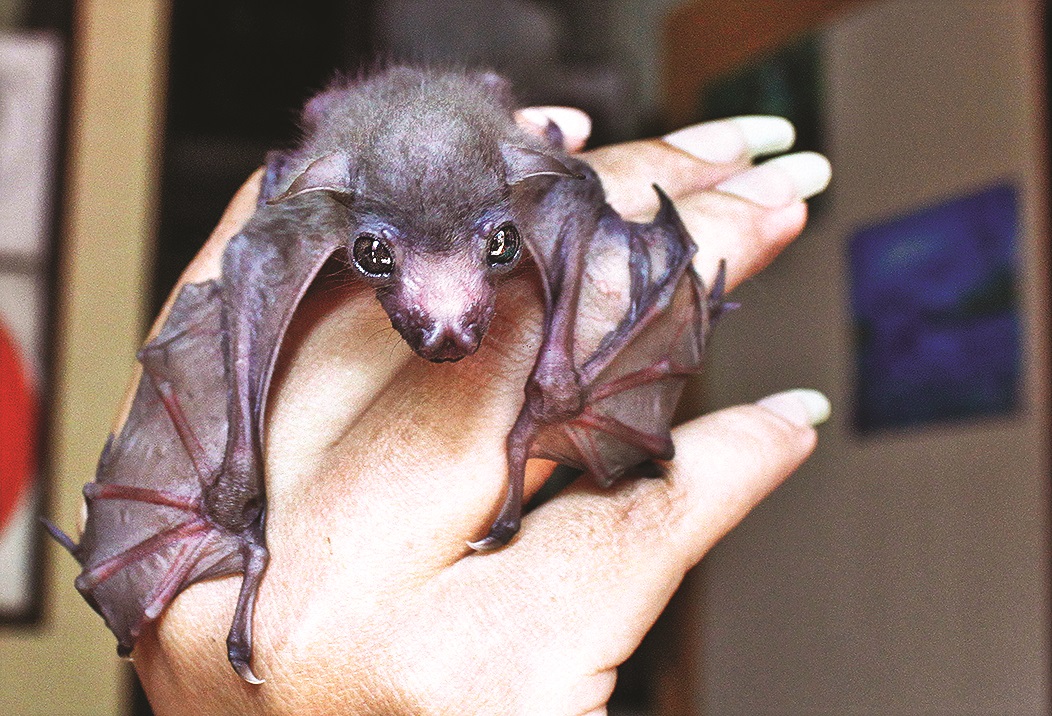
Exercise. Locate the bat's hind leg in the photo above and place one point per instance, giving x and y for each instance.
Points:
(239, 640)
(509, 519)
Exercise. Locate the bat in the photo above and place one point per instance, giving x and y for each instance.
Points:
(423, 183)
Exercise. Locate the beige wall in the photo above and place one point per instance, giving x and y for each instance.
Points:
(69, 665)
(906, 573)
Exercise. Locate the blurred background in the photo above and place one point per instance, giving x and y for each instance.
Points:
(903, 570)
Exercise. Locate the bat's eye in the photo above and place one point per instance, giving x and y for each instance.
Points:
(503, 246)
(372, 256)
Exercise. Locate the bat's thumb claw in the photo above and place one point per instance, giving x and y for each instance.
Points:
(245, 671)
(61, 537)
(718, 306)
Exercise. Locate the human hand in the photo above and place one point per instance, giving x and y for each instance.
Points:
(380, 467)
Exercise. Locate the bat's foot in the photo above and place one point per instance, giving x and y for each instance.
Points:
(499, 535)
(239, 651)
(239, 640)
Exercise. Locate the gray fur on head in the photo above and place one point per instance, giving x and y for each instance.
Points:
(425, 161)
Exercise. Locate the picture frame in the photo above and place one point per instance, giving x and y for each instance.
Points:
(31, 112)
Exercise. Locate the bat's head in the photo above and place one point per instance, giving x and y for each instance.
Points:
(439, 299)
(431, 224)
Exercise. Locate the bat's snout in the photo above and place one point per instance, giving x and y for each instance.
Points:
(442, 339)
(441, 313)
(442, 342)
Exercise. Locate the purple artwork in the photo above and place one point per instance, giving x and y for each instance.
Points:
(937, 332)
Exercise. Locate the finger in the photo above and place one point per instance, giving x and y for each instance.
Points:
(689, 160)
(438, 476)
(575, 125)
(614, 558)
(781, 181)
(428, 442)
(750, 218)
(729, 140)
(745, 235)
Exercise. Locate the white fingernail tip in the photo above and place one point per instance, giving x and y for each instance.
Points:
(765, 134)
(726, 140)
(809, 172)
(716, 142)
(800, 406)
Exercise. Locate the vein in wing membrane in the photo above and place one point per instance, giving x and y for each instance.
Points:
(641, 326)
(146, 536)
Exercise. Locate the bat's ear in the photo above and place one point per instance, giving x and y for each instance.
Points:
(330, 173)
(496, 84)
(320, 106)
(522, 163)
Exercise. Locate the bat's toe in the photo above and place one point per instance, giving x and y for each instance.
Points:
(499, 535)
(245, 671)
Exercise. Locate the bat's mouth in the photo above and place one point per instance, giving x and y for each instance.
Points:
(452, 359)
(441, 344)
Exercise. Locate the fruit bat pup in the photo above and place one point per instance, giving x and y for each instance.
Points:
(422, 181)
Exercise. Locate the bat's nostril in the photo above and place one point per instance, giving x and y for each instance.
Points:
(448, 341)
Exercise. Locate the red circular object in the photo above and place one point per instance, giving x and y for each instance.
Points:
(17, 427)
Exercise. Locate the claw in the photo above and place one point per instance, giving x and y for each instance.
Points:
(486, 544)
(719, 287)
(667, 216)
(499, 535)
(666, 211)
(61, 537)
(554, 135)
(717, 306)
(245, 671)
(239, 640)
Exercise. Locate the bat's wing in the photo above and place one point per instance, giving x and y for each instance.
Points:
(626, 322)
(179, 493)
(147, 535)
(266, 270)
(640, 321)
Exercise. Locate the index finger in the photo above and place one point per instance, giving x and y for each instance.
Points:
(626, 549)
(686, 161)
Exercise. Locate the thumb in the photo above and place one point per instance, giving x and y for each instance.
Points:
(633, 544)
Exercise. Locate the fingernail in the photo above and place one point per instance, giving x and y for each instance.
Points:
(810, 172)
(781, 181)
(729, 139)
(800, 406)
(716, 142)
(765, 134)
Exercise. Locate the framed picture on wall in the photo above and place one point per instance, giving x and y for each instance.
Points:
(30, 120)
(937, 327)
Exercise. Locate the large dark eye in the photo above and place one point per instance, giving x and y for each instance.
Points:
(372, 256)
(503, 245)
